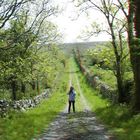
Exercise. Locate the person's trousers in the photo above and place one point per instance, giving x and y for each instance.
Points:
(73, 105)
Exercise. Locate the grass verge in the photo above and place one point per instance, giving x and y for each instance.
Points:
(117, 118)
(29, 124)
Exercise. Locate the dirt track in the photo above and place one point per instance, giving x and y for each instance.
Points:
(81, 125)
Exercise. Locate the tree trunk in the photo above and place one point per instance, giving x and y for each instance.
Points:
(13, 85)
(121, 94)
(33, 85)
(135, 51)
(23, 88)
(118, 70)
(38, 89)
(134, 45)
(137, 18)
(136, 69)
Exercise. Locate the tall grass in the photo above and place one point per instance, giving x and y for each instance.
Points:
(118, 119)
(29, 124)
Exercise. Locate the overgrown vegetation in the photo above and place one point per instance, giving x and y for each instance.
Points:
(30, 61)
(29, 58)
(26, 125)
(121, 19)
(118, 119)
(99, 61)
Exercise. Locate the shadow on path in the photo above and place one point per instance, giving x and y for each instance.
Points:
(76, 126)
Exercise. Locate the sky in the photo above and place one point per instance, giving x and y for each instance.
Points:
(72, 26)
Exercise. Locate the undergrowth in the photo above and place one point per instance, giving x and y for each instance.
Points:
(117, 118)
(29, 124)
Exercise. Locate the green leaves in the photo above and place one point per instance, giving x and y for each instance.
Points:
(27, 54)
(104, 56)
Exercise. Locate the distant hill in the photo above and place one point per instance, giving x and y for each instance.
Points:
(68, 47)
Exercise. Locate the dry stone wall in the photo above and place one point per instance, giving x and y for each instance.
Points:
(22, 105)
(95, 82)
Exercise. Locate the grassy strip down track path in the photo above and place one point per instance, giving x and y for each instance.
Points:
(81, 125)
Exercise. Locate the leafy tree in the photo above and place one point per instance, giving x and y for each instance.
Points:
(134, 45)
(116, 28)
(21, 42)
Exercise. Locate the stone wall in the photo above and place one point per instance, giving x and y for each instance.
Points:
(95, 82)
(22, 105)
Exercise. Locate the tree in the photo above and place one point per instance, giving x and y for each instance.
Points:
(111, 12)
(133, 30)
(9, 8)
(20, 41)
(134, 45)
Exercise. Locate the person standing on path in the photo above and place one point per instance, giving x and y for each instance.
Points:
(71, 99)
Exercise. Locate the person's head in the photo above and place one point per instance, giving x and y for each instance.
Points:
(71, 88)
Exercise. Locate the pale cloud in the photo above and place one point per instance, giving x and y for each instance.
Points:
(71, 26)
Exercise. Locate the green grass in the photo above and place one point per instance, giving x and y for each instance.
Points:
(118, 119)
(107, 76)
(26, 125)
(78, 103)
